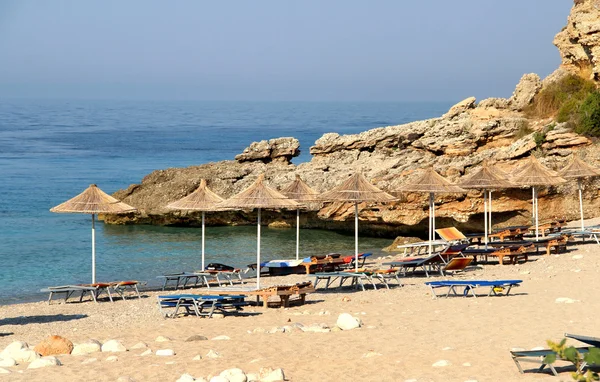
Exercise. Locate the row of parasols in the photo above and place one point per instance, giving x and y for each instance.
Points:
(356, 189)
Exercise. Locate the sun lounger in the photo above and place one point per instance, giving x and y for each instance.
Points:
(593, 341)
(283, 292)
(539, 356)
(200, 305)
(434, 263)
(415, 249)
(121, 287)
(357, 279)
(590, 234)
(71, 290)
(182, 279)
(329, 262)
(514, 254)
(496, 287)
(222, 276)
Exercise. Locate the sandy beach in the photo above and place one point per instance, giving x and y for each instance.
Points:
(405, 331)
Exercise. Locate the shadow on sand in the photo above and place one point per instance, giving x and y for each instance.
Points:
(24, 320)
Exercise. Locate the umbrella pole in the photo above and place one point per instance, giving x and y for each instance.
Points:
(297, 234)
(93, 250)
(536, 213)
(430, 221)
(258, 252)
(203, 241)
(490, 211)
(485, 218)
(356, 236)
(580, 203)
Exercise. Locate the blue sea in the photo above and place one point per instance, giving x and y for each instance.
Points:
(51, 150)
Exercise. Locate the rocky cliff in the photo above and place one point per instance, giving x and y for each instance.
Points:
(494, 129)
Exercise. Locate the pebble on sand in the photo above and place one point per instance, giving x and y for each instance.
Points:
(221, 338)
(162, 339)
(43, 362)
(441, 363)
(113, 346)
(165, 352)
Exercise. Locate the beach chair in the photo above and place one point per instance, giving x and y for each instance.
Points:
(593, 341)
(200, 305)
(329, 262)
(539, 357)
(183, 279)
(121, 287)
(350, 261)
(283, 292)
(70, 290)
(437, 262)
(496, 287)
(357, 278)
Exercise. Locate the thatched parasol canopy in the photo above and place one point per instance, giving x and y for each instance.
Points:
(202, 199)
(577, 169)
(485, 179)
(259, 195)
(356, 189)
(302, 193)
(93, 201)
(431, 181)
(533, 173)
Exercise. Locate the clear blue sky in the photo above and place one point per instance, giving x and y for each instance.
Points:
(312, 50)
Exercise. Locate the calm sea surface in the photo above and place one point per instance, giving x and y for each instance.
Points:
(52, 150)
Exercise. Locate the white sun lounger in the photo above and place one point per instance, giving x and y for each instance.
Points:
(70, 290)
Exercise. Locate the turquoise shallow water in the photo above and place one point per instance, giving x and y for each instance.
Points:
(52, 150)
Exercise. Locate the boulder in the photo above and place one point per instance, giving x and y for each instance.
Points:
(459, 108)
(346, 321)
(54, 345)
(91, 346)
(113, 346)
(234, 375)
(44, 362)
(529, 85)
(273, 150)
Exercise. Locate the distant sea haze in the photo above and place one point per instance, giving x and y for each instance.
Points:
(52, 150)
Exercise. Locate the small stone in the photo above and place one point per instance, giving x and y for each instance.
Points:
(576, 270)
(218, 315)
(255, 360)
(221, 338)
(146, 352)
(113, 346)
(165, 352)
(140, 345)
(89, 360)
(525, 272)
(564, 300)
(212, 354)
(336, 329)
(577, 257)
(441, 363)
(162, 339)
(112, 358)
(270, 375)
(91, 346)
(25, 356)
(252, 377)
(197, 358)
(125, 379)
(347, 322)
(43, 362)
(447, 348)
(258, 330)
(4, 371)
(196, 337)
(466, 364)
(346, 299)
(7, 362)
(371, 354)
(276, 330)
(234, 375)
(54, 345)
(471, 380)
(186, 378)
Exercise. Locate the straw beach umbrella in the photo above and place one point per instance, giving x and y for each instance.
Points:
(356, 189)
(578, 169)
(534, 174)
(258, 196)
(303, 194)
(485, 179)
(93, 201)
(432, 183)
(202, 199)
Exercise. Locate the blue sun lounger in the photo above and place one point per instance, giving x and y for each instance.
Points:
(200, 305)
(496, 286)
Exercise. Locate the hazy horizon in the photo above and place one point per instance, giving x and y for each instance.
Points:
(336, 51)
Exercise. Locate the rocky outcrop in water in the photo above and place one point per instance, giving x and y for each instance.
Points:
(495, 129)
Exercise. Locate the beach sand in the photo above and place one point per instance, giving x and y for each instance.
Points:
(404, 330)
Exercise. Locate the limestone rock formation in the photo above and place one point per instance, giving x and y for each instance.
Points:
(579, 42)
(529, 85)
(273, 150)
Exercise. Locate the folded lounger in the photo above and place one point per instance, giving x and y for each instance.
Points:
(200, 305)
(70, 290)
(539, 357)
(496, 286)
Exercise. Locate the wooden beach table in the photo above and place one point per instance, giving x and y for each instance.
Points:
(283, 292)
